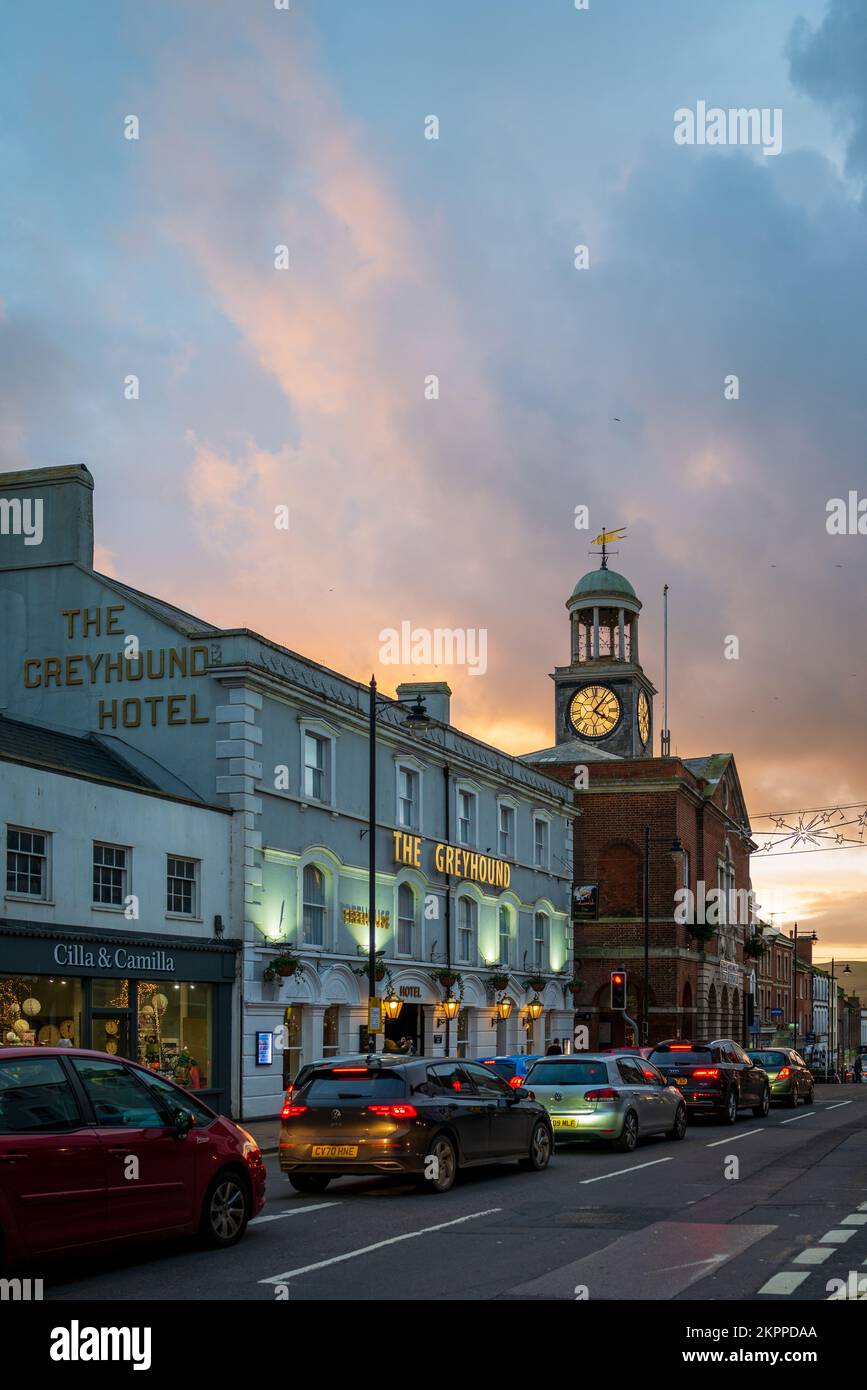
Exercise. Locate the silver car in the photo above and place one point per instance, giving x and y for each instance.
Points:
(592, 1095)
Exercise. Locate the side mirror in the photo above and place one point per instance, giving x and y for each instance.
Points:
(183, 1123)
(520, 1093)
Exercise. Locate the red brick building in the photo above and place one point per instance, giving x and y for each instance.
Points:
(632, 802)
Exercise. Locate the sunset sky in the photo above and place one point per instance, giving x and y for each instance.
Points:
(558, 387)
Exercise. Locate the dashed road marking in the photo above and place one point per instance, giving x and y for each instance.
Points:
(838, 1103)
(293, 1211)
(803, 1115)
(858, 1218)
(836, 1237)
(786, 1282)
(815, 1255)
(620, 1171)
(734, 1138)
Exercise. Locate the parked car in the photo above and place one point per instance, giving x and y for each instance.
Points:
(788, 1073)
(425, 1117)
(717, 1077)
(511, 1068)
(593, 1095)
(72, 1120)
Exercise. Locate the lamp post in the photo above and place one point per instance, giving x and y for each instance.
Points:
(676, 851)
(832, 1018)
(416, 718)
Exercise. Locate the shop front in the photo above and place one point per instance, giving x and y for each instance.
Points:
(164, 1003)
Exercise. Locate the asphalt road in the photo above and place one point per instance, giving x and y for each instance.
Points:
(769, 1210)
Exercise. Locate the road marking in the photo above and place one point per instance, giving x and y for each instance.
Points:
(717, 1142)
(784, 1283)
(814, 1256)
(620, 1171)
(837, 1105)
(693, 1264)
(380, 1245)
(293, 1211)
(837, 1237)
(802, 1116)
(859, 1218)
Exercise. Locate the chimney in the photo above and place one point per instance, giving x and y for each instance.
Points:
(436, 695)
(46, 517)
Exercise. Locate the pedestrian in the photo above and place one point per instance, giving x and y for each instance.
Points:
(554, 1049)
(858, 1069)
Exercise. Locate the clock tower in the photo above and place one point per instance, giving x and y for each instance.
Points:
(603, 698)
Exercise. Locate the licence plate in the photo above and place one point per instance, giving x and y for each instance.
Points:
(565, 1124)
(680, 1080)
(334, 1151)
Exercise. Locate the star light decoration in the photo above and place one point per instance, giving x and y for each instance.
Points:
(800, 832)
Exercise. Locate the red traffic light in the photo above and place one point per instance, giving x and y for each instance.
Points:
(618, 989)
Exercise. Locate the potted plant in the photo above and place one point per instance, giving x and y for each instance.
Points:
(380, 969)
(447, 977)
(500, 979)
(575, 985)
(282, 966)
(536, 983)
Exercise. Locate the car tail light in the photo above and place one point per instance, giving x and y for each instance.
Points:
(606, 1093)
(516, 1082)
(784, 1071)
(394, 1112)
(349, 1071)
(488, 1063)
(680, 1047)
(290, 1111)
(706, 1071)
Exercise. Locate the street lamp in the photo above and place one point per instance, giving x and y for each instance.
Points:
(451, 1006)
(676, 852)
(505, 1006)
(416, 718)
(535, 1008)
(392, 1005)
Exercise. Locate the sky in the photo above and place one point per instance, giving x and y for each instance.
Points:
(304, 387)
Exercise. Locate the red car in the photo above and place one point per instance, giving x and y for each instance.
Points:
(96, 1152)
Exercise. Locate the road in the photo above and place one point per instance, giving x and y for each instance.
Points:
(769, 1210)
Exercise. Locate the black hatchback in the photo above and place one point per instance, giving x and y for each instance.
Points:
(717, 1077)
(423, 1117)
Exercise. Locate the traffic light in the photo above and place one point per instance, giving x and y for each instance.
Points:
(618, 989)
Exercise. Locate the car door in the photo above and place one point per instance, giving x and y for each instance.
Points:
(150, 1170)
(52, 1169)
(668, 1096)
(753, 1078)
(463, 1107)
(645, 1097)
(508, 1124)
(801, 1074)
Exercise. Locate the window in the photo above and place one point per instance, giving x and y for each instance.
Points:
(407, 802)
(35, 1096)
(313, 905)
(26, 862)
(177, 1100)
(118, 1098)
(506, 831)
(487, 1083)
(466, 818)
(316, 750)
(449, 1079)
(331, 1031)
(540, 926)
(630, 1072)
(110, 875)
(182, 877)
(505, 936)
(541, 832)
(175, 1029)
(405, 920)
(468, 912)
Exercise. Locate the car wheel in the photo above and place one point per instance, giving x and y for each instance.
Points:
(810, 1095)
(629, 1134)
(309, 1182)
(792, 1100)
(678, 1129)
(540, 1149)
(439, 1175)
(226, 1210)
(730, 1109)
(761, 1110)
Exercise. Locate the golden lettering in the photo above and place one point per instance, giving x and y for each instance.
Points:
(110, 627)
(89, 623)
(109, 713)
(397, 840)
(70, 614)
(177, 660)
(194, 717)
(131, 673)
(203, 668)
(152, 674)
(52, 670)
(172, 703)
(28, 683)
(153, 701)
(113, 663)
(131, 721)
(72, 676)
(438, 858)
(93, 665)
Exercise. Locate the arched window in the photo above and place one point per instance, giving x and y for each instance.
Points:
(313, 905)
(405, 920)
(468, 917)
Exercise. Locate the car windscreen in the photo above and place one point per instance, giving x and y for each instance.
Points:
(769, 1059)
(697, 1057)
(566, 1074)
(504, 1069)
(375, 1086)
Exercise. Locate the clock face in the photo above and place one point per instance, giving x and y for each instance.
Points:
(643, 717)
(594, 711)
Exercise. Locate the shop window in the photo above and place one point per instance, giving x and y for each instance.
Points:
(331, 1031)
(26, 862)
(182, 886)
(175, 1029)
(35, 1096)
(313, 905)
(405, 920)
(468, 912)
(40, 1009)
(110, 875)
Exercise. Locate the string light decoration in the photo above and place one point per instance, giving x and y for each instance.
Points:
(812, 830)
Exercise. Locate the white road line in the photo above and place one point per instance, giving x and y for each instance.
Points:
(734, 1137)
(620, 1171)
(786, 1282)
(836, 1237)
(858, 1218)
(293, 1211)
(837, 1105)
(803, 1115)
(815, 1255)
(380, 1245)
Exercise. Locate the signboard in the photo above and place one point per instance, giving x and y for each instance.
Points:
(453, 860)
(729, 973)
(776, 1013)
(264, 1049)
(360, 917)
(374, 1015)
(585, 902)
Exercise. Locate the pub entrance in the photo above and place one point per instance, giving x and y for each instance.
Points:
(406, 1026)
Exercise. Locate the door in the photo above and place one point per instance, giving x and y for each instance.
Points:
(463, 1107)
(646, 1097)
(670, 1099)
(52, 1168)
(110, 1033)
(150, 1171)
(508, 1124)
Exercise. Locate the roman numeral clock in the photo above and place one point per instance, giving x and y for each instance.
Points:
(603, 699)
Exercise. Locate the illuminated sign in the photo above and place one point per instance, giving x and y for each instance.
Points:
(454, 860)
(360, 917)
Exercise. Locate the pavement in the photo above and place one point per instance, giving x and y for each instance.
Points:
(765, 1211)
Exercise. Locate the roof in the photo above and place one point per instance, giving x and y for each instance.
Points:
(175, 617)
(710, 768)
(603, 581)
(41, 747)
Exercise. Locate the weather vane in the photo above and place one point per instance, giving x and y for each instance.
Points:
(604, 539)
